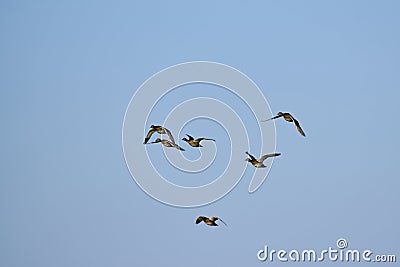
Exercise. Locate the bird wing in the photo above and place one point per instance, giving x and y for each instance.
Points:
(149, 134)
(274, 117)
(222, 221)
(202, 138)
(190, 137)
(176, 146)
(264, 157)
(199, 219)
(251, 157)
(297, 124)
(169, 135)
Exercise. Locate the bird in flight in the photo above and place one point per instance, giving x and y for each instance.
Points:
(195, 142)
(288, 117)
(167, 143)
(209, 221)
(258, 163)
(158, 129)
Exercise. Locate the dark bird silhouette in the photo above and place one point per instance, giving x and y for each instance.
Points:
(195, 142)
(209, 221)
(158, 129)
(288, 117)
(258, 163)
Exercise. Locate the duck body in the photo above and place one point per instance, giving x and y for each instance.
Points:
(209, 221)
(195, 142)
(289, 118)
(259, 163)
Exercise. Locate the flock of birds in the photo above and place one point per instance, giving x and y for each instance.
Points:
(258, 163)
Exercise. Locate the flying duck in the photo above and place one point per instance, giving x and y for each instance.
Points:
(195, 142)
(158, 129)
(288, 117)
(167, 143)
(258, 163)
(209, 221)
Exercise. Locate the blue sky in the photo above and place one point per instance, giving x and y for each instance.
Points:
(69, 69)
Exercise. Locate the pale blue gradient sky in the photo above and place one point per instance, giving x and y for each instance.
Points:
(69, 68)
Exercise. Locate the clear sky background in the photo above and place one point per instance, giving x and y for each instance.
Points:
(68, 70)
